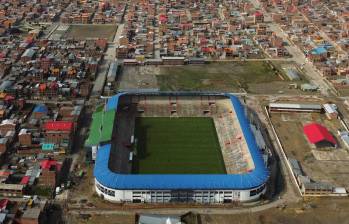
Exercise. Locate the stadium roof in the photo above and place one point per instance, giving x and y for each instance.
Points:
(101, 128)
(317, 133)
(252, 179)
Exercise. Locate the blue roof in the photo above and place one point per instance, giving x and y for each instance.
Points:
(318, 50)
(40, 108)
(112, 103)
(258, 176)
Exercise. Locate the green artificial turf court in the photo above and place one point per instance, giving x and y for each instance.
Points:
(177, 146)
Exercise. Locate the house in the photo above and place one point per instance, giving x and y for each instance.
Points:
(24, 137)
(50, 172)
(11, 190)
(58, 132)
(4, 143)
(31, 216)
(173, 60)
(7, 125)
(318, 54)
(331, 110)
(258, 17)
(39, 111)
(28, 55)
(158, 219)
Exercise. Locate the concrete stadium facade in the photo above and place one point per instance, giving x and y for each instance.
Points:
(195, 188)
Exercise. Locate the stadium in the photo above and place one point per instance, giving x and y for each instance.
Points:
(161, 147)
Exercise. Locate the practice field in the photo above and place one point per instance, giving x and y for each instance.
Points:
(83, 32)
(177, 146)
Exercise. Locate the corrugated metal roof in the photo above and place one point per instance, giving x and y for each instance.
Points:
(40, 108)
(317, 133)
(330, 108)
(292, 74)
(248, 180)
(296, 106)
(47, 146)
(113, 70)
(159, 219)
(58, 126)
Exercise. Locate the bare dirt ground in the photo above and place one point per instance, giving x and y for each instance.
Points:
(290, 131)
(315, 211)
(319, 211)
(83, 32)
(105, 219)
(226, 77)
(138, 77)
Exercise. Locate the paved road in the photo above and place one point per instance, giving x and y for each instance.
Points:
(119, 33)
(211, 211)
(109, 56)
(250, 59)
(52, 29)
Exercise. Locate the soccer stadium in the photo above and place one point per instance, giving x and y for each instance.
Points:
(161, 147)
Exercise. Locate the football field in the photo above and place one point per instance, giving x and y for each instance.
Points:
(177, 146)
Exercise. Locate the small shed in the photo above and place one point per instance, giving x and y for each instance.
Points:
(309, 87)
(331, 110)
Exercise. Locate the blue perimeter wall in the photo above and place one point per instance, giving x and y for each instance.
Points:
(252, 179)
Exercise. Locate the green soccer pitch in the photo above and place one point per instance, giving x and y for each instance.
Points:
(177, 146)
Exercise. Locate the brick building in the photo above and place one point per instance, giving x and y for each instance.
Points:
(49, 172)
(58, 132)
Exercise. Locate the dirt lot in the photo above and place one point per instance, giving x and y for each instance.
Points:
(83, 32)
(216, 76)
(105, 219)
(138, 77)
(315, 211)
(319, 211)
(333, 169)
(253, 77)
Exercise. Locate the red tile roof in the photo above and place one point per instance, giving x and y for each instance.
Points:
(258, 13)
(58, 126)
(47, 164)
(3, 203)
(317, 133)
(25, 180)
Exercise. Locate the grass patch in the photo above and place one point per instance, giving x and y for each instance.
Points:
(216, 76)
(177, 146)
(83, 32)
(44, 191)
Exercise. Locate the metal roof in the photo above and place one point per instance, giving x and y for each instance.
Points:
(292, 74)
(317, 133)
(296, 106)
(258, 176)
(40, 108)
(318, 50)
(58, 126)
(113, 70)
(159, 219)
